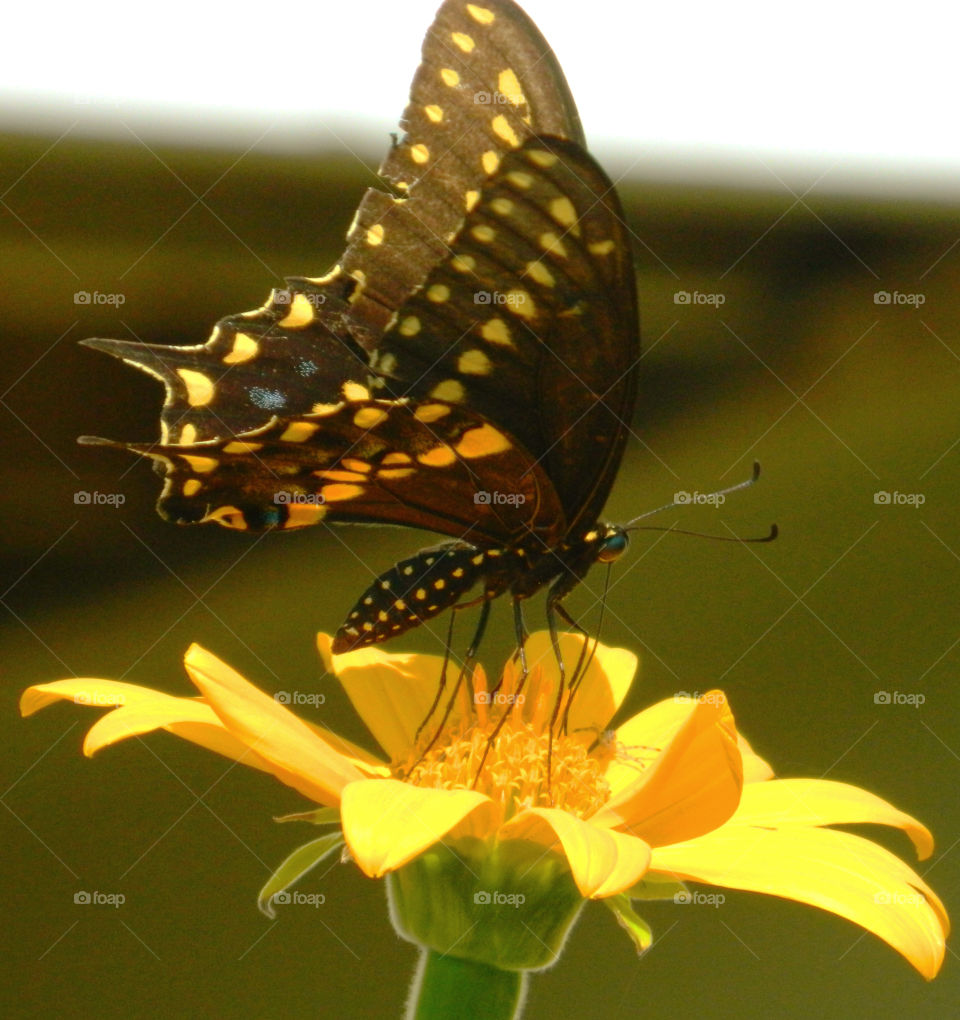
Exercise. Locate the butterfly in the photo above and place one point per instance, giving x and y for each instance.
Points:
(468, 367)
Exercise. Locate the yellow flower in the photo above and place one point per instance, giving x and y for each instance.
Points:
(673, 794)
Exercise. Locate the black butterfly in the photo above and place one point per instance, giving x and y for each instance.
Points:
(469, 366)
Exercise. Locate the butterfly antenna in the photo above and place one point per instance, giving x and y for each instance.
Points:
(629, 526)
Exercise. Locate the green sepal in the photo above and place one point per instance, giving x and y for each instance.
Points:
(508, 905)
(655, 887)
(302, 860)
(319, 816)
(632, 923)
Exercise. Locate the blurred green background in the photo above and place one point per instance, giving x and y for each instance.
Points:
(839, 398)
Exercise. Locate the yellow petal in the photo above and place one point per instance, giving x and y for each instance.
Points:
(836, 871)
(392, 692)
(755, 768)
(84, 691)
(387, 823)
(600, 692)
(691, 787)
(603, 862)
(295, 753)
(824, 802)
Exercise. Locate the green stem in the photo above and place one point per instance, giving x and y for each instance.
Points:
(451, 988)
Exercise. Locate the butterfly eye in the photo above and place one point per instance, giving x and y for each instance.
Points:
(613, 545)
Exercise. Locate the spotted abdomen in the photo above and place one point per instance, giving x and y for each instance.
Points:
(417, 589)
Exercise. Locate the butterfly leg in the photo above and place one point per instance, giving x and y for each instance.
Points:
(583, 660)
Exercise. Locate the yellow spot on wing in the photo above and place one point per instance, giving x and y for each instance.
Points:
(188, 434)
(352, 464)
(340, 476)
(324, 409)
(463, 41)
(438, 293)
(396, 473)
(191, 487)
(508, 85)
(396, 458)
(502, 206)
(601, 247)
(200, 464)
(552, 244)
(368, 417)
(484, 233)
(496, 331)
(375, 235)
(450, 77)
(450, 390)
(430, 412)
(542, 158)
(481, 14)
(520, 303)
(410, 326)
(242, 447)
(562, 210)
(300, 314)
(244, 348)
(300, 515)
(434, 112)
(200, 389)
(419, 153)
(298, 432)
(471, 199)
(228, 516)
(463, 263)
(355, 391)
(490, 161)
(439, 456)
(482, 442)
(336, 492)
(502, 129)
(539, 273)
(439, 584)
(474, 363)
(520, 178)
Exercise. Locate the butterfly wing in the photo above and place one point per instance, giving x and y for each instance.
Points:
(315, 334)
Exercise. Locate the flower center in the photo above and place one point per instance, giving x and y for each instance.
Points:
(505, 752)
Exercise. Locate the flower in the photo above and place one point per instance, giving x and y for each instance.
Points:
(674, 794)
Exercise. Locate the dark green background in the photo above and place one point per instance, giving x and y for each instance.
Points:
(837, 397)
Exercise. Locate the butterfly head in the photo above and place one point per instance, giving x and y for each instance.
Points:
(613, 543)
